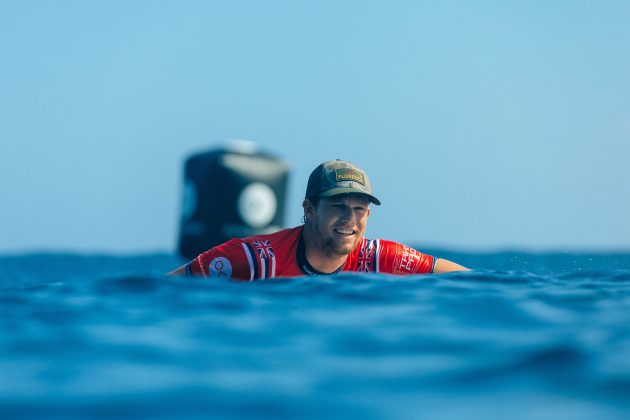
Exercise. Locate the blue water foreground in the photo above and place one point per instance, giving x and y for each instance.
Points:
(522, 336)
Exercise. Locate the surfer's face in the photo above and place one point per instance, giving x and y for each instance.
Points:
(338, 223)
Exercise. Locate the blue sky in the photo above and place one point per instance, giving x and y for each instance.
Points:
(483, 125)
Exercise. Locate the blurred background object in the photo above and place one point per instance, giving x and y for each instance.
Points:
(229, 192)
(483, 125)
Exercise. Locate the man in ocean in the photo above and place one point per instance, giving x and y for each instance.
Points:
(336, 210)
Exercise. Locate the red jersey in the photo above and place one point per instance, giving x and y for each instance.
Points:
(281, 254)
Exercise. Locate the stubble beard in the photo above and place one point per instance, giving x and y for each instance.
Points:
(329, 246)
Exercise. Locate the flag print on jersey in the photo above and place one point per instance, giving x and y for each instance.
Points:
(261, 259)
(264, 249)
(368, 256)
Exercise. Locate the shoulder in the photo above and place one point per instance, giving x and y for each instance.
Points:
(245, 258)
(268, 255)
(285, 238)
(281, 235)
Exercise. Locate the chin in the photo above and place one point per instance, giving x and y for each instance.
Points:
(344, 248)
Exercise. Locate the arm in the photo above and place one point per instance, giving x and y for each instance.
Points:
(396, 258)
(446, 266)
(225, 261)
(178, 272)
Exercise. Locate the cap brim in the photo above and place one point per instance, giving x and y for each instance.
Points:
(337, 191)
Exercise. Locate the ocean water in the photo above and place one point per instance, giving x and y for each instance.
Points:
(542, 336)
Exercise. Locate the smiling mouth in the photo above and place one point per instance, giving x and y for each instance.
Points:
(344, 232)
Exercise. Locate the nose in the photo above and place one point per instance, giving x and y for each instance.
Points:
(347, 214)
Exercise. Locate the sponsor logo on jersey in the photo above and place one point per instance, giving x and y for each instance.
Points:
(349, 174)
(220, 267)
(406, 260)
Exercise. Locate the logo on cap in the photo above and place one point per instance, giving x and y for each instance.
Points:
(349, 174)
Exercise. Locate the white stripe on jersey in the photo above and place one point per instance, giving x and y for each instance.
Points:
(263, 267)
(249, 260)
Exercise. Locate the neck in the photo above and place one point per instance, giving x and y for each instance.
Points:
(319, 259)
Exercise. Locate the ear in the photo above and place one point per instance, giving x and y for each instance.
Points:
(368, 212)
(308, 207)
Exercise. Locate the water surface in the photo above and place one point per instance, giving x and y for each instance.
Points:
(522, 336)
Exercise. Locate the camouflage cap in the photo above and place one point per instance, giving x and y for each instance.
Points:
(339, 177)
